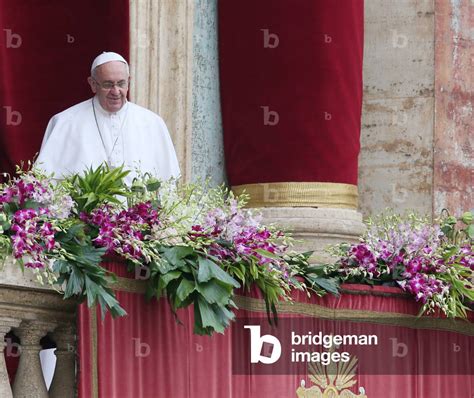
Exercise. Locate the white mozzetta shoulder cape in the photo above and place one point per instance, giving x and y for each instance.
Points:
(72, 142)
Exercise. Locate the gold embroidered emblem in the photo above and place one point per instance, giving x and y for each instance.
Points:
(331, 381)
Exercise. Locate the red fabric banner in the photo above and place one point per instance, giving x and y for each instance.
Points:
(291, 89)
(46, 49)
(149, 354)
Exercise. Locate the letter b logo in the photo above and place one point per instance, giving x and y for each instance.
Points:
(257, 343)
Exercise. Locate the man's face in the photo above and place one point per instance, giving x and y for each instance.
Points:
(110, 83)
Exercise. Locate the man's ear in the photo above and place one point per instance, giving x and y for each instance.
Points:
(92, 84)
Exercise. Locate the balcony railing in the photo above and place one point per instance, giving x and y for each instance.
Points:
(31, 312)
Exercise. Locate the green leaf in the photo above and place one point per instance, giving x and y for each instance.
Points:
(31, 204)
(75, 283)
(208, 316)
(329, 284)
(60, 266)
(266, 253)
(208, 270)
(153, 184)
(470, 231)
(92, 291)
(225, 315)
(6, 225)
(308, 254)
(175, 255)
(97, 186)
(467, 217)
(90, 255)
(165, 279)
(185, 288)
(318, 269)
(215, 292)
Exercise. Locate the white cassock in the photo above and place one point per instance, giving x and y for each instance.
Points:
(77, 139)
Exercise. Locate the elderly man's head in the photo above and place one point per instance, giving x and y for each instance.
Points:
(109, 81)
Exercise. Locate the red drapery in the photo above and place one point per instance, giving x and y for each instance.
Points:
(148, 354)
(46, 49)
(291, 89)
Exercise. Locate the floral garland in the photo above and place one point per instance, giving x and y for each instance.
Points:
(432, 262)
(199, 244)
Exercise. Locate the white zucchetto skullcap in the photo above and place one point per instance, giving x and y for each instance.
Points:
(107, 57)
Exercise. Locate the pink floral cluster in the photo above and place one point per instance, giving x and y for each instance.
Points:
(32, 236)
(413, 250)
(238, 234)
(122, 231)
(424, 286)
(27, 187)
(467, 258)
(22, 190)
(404, 236)
(362, 257)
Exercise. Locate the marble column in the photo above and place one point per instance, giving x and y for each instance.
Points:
(161, 60)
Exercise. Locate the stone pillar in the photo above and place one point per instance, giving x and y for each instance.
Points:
(5, 325)
(316, 228)
(64, 379)
(29, 380)
(161, 62)
(323, 215)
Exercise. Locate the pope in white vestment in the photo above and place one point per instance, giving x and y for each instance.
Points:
(108, 128)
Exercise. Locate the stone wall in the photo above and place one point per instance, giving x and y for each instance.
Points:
(454, 101)
(417, 124)
(396, 159)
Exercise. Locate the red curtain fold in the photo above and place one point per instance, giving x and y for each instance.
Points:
(291, 89)
(46, 49)
(149, 354)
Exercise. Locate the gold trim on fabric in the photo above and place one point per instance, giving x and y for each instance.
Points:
(93, 342)
(300, 194)
(384, 318)
(129, 285)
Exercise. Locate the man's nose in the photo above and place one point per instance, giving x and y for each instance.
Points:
(115, 90)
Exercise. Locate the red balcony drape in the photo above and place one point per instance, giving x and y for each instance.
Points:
(291, 89)
(149, 354)
(46, 49)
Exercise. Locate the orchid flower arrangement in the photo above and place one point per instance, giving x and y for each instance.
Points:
(199, 244)
(434, 262)
(179, 230)
(39, 230)
(31, 210)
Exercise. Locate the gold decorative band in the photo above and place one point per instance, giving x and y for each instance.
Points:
(129, 285)
(384, 318)
(300, 194)
(94, 354)
(305, 309)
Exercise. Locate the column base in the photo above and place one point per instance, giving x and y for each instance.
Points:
(317, 228)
